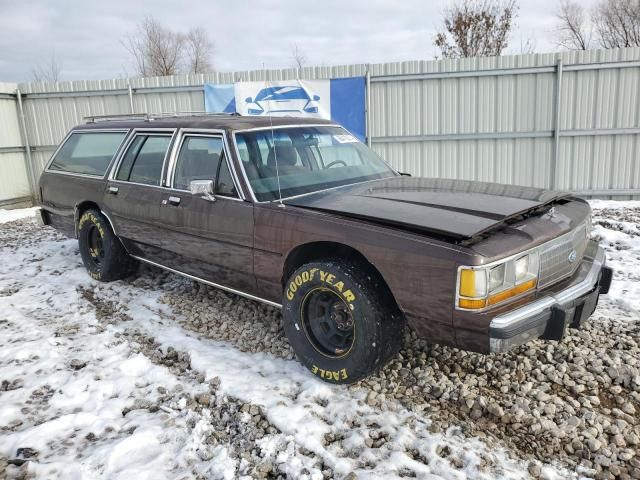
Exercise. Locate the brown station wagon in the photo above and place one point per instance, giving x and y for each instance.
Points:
(299, 214)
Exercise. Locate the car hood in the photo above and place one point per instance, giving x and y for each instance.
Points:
(453, 209)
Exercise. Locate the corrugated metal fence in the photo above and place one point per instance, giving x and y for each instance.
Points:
(568, 121)
(14, 183)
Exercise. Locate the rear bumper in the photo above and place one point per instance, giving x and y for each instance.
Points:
(550, 316)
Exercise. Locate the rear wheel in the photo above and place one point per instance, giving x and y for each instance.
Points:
(102, 253)
(340, 321)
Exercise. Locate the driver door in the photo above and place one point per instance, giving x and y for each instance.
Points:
(210, 238)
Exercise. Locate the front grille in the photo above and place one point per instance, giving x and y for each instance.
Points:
(556, 256)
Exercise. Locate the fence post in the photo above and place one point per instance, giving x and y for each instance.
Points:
(556, 126)
(27, 149)
(130, 96)
(368, 105)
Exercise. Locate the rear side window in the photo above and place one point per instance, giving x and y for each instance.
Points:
(88, 153)
(144, 159)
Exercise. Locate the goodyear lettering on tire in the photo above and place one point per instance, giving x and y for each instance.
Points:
(326, 278)
(90, 217)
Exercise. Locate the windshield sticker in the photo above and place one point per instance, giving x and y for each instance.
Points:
(346, 138)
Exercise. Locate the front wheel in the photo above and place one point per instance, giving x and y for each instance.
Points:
(102, 253)
(342, 324)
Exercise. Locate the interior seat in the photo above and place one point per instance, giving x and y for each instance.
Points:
(287, 157)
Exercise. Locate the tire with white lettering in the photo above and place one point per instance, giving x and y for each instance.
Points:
(340, 320)
(102, 253)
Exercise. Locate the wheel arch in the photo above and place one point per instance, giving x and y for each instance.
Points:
(322, 250)
(85, 205)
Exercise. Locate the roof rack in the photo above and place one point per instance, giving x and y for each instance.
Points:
(152, 116)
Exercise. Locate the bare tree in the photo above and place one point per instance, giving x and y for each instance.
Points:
(47, 72)
(617, 23)
(298, 57)
(476, 28)
(157, 51)
(611, 24)
(527, 45)
(199, 50)
(573, 30)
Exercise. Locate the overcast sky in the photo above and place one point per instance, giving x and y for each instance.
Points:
(85, 36)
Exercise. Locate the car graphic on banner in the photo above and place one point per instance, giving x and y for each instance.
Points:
(282, 99)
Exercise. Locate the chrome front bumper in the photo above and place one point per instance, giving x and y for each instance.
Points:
(549, 316)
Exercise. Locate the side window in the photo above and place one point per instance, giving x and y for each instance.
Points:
(224, 184)
(142, 163)
(198, 159)
(127, 161)
(89, 153)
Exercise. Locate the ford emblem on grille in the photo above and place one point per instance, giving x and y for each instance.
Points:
(573, 256)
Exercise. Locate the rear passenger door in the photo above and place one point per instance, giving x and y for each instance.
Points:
(134, 193)
(209, 238)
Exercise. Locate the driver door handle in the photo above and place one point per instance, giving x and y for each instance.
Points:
(175, 201)
(113, 190)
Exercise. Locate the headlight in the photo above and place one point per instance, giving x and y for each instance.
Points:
(522, 267)
(496, 277)
(480, 287)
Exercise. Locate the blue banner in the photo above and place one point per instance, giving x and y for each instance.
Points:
(341, 100)
(219, 98)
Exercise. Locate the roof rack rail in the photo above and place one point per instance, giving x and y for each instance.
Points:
(126, 116)
(152, 116)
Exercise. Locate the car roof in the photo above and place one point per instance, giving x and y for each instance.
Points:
(229, 122)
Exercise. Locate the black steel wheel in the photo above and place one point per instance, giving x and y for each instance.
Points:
(96, 247)
(327, 321)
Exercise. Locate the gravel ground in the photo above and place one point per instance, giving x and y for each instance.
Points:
(574, 403)
(577, 401)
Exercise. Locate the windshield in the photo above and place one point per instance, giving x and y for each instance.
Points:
(306, 159)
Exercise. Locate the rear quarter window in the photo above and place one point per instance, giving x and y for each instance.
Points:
(88, 153)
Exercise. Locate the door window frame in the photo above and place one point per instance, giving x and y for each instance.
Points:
(200, 132)
(136, 132)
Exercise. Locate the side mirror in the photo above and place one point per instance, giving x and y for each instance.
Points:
(203, 188)
(316, 98)
(248, 100)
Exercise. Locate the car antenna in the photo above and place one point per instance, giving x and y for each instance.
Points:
(275, 157)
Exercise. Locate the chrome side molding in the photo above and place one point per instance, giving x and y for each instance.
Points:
(207, 282)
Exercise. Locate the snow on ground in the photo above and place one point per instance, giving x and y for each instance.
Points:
(99, 381)
(17, 214)
(617, 226)
(68, 376)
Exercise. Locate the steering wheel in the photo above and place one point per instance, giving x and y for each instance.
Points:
(335, 162)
